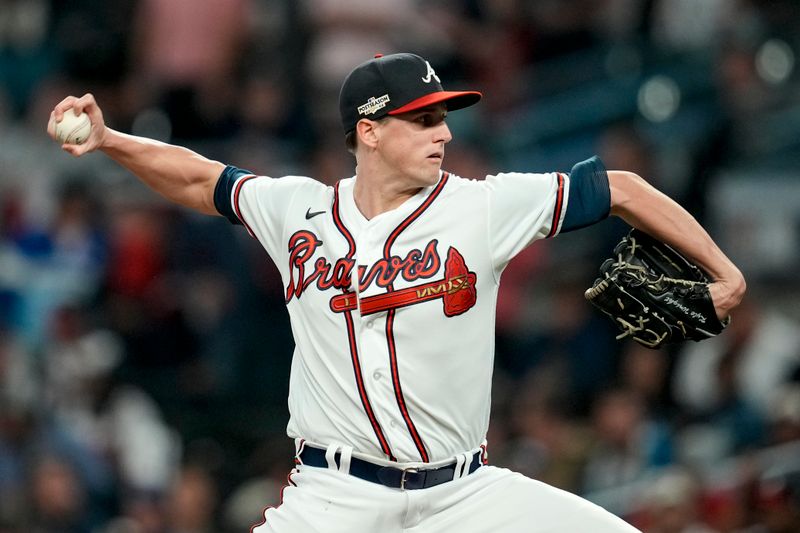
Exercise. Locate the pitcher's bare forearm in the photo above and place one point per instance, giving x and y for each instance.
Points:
(644, 207)
(177, 173)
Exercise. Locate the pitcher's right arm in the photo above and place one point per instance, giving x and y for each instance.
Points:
(177, 173)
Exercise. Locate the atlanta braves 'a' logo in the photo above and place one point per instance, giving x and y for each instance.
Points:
(456, 288)
(430, 74)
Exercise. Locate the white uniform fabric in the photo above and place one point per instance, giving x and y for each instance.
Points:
(393, 320)
(491, 500)
(415, 386)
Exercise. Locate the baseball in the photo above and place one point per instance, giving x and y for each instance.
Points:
(73, 129)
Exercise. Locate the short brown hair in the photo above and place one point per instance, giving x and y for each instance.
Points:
(350, 141)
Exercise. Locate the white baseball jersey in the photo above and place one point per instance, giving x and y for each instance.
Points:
(394, 317)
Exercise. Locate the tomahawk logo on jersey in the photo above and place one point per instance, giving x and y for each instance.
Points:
(369, 371)
(456, 288)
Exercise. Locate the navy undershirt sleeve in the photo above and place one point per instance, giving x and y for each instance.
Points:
(589, 195)
(223, 189)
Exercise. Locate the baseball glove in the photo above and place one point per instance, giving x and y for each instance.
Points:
(654, 294)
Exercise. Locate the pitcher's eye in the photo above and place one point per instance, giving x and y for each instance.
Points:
(430, 119)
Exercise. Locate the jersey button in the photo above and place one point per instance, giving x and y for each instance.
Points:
(370, 323)
(377, 375)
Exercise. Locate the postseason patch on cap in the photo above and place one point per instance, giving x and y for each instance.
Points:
(373, 105)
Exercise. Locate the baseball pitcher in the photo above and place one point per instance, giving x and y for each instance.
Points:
(391, 279)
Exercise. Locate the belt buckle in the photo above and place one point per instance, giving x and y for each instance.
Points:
(403, 476)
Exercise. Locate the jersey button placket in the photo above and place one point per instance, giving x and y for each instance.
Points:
(371, 342)
(373, 338)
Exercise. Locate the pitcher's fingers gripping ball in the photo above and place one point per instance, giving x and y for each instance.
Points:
(73, 128)
(655, 295)
(78, 125)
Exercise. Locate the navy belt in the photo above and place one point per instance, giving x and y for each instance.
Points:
(389, 476)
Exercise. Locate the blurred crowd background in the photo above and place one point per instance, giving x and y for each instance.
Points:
(144, 349)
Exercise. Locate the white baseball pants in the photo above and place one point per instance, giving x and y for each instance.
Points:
(491, 500)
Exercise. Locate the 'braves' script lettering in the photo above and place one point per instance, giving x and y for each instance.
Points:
(417, 264)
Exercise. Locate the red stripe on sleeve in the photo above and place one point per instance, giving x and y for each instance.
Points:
(236, 192)
(559, 206)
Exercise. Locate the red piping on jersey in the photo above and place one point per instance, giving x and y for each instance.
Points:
(387, 252)
(351, 336)
(559, 206)
(337, 219)
(264, 512)
(238, 211)
(387, 248)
